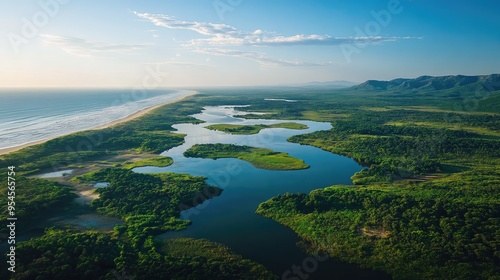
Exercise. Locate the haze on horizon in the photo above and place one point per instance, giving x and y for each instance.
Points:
(72, 43)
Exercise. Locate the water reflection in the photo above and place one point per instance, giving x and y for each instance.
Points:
(56, 174)
(230, 219)
(101, 185)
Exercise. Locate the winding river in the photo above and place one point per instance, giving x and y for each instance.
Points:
(230, 218)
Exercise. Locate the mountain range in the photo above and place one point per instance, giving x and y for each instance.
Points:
(488, 82)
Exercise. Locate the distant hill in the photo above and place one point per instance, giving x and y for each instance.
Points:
(427, 83)
(327, 84)
(332, 83)
(479, 92)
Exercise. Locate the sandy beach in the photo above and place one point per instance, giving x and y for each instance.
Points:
(113, 123)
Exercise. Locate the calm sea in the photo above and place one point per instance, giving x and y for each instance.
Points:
(30, 115)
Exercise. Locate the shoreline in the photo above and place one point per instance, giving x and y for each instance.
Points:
(140, 113)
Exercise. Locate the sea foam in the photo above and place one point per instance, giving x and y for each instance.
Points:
(28, 129)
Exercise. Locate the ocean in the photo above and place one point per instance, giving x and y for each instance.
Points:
(31, 115)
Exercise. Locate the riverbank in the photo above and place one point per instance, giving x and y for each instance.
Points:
(135, 115)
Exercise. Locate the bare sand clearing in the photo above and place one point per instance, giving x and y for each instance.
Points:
(126, 119)
(85, 197)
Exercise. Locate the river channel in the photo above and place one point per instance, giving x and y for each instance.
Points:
(230, 218)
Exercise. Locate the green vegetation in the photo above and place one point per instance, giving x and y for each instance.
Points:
(33, 197)
(253, 129)
(427, 207)
(149, 204)
(258, 157)
(289, 125)
(228, 263)
(480, 131)
(398, 152)
(424, 232)
(151, 133)
(160, 161)
(65, 254)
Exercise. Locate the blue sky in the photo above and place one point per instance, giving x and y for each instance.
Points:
(124, 43)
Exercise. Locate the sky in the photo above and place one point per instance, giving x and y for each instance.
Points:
(125, 43)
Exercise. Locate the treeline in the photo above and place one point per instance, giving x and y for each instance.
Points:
(33, 197)
(411, 237)
(149, 204)
(395, 152)
(216, 150)
(62, 254)
(65, 254)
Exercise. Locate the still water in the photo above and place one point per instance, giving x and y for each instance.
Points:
(230, 218)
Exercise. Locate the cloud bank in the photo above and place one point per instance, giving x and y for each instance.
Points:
(82, 47)
(222, 35)
(261, 58)
(225, 35)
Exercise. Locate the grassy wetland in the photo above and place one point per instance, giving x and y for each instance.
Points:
(253, 129)
(258, 157)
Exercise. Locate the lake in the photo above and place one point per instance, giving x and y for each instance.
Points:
(230, 218)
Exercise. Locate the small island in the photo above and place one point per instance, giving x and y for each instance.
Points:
(159, 161)
(258, 157)
(239, 129)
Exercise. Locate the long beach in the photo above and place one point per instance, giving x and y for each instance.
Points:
(110, 124)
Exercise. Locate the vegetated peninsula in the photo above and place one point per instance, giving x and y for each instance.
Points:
(159, 161)
(239, 129)
(71, 254)
(258, 157)
(148, 203)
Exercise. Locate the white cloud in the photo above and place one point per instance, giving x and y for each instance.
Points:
(225, 35)
(82, 47)
(261, 58)
(180, 63)
(200, 27)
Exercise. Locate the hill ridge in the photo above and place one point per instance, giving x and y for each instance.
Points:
(433, 83)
